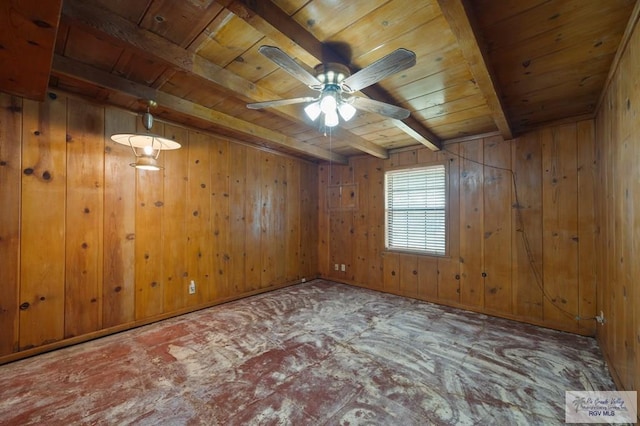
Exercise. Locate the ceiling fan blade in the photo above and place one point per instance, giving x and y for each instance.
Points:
(381, 108)
(396, 61)
(280, 102)
(287, 63)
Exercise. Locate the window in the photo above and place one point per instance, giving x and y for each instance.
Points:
(415, 201)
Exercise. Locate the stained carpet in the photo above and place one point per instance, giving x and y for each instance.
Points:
(312, 354)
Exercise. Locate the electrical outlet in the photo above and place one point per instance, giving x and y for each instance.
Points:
(600, 318)
(192, 287)
(343, 267)
(304, 280)
(336, 267)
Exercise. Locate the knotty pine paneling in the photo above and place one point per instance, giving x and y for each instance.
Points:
(270, 192)
(149, 285)
(308, 222)
(204, 220)
(118, 286)
(10, 189)
(253, 212)
(91, 246)
(360, 266)
(220, 217)
(560, 222)
(527, 220)
(84, 210)
(448, 268)
(587, 227)
(471, 223)
(272, 220)
(42, 222)
(617, 150)
(293, 231)
(513, 251)
(174, 227)
(498, 201)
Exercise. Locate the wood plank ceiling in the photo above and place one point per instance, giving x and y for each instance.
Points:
(482, 66)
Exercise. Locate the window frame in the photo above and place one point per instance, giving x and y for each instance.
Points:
(446, 210)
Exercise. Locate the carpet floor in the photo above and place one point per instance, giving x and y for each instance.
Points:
(318, 353)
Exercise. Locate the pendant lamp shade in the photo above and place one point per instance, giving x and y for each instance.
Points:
(146, 146)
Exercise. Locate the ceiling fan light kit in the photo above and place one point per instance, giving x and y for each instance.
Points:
(146, 146)
(334, 81)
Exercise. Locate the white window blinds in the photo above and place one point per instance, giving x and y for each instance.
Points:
(416, 209)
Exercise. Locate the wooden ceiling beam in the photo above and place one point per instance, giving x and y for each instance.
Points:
(278, 26)
(67, 67)
(28, 31)
(130, 36)
(461, 19)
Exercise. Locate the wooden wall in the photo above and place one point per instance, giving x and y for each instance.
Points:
(618, 218)
(89, 246)
(530, 258)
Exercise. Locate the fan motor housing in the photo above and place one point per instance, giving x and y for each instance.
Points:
(331, 73)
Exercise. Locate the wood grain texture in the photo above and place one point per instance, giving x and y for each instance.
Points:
(462, 20)
(375, 226)
(361, 263)
(471, 224)
(293, 218)
(391, 268)
(408, 280)
(587, 227)
(84, 214)
(118, 290)
(149, 294)
(200, 224)
(427, 274)
(253, 240)
(268, 219)
(42, 248)
(449, 266)
(10, 176)
(486, 228)
(186, 20)
(552, 54)
(617, 149)
(324, 227)
(222, 257)
(498, 191)
(92, 227)
(559, 223)
(526, 65)
(28, 33)
(174, 248)
(309, 219)
(527, 222)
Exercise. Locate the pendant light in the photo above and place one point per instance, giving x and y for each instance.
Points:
(146, 146)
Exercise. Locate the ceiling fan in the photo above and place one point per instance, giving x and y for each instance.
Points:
(337, 86)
